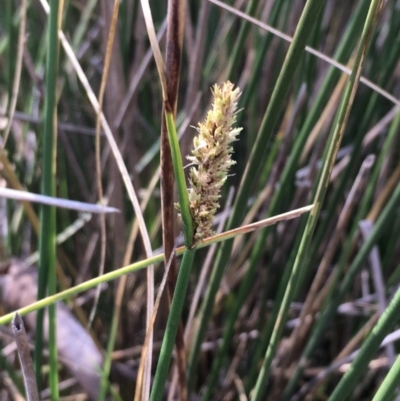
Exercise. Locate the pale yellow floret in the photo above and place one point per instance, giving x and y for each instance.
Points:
(212, 158)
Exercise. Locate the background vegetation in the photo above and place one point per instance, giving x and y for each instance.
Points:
(293, 311)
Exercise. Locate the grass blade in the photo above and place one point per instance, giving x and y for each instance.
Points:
(47, 237)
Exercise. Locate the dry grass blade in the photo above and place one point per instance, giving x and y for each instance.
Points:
(134, 85)
(258, 225)
(154, 45)
(58, 202)
(122, 283)
(25, 359)
(107, 60)
(384, 195)
(12, 179)
(18, 69)
(325, 119)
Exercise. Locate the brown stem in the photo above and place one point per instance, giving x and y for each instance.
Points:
(176, 14)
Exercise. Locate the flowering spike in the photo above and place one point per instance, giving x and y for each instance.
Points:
(212, 158)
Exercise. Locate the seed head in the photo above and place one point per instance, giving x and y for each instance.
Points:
(212, 158)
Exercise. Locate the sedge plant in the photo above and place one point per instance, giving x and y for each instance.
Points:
(211, 158)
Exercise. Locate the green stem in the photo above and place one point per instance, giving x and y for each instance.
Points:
(87, 285)
(180, 181)
(236, 58)
(104, 383)
(47, 237)
(172, 325)
(391, 382)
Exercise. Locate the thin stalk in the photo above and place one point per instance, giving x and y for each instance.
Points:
(140, 379)
(25, 196)
(47, 236)
(107, 61)
(83, 23)
(107, 131)
(262, 48)
(102, 218)
(17, 74)
(299, 334)
(174, 318)
(87, 285)
(239, 42)
(24, 354)
(389, 385)
(104, 383)
(118, 302)
(180, 181)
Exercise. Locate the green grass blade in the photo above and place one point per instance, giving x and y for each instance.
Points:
(47, 238)
(389, 385)
(174, 318)
(188, 228)
(104, 383)
(239, 43)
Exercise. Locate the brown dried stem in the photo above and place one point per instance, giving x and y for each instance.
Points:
(25, 359)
